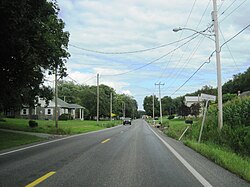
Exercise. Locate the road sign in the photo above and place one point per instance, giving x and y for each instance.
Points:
(208, 97)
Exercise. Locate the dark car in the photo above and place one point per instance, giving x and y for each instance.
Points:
(127, 121)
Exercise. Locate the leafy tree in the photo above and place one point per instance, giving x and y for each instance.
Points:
(195, 109)
(148, 105)
(167, 105)
(32, 41)
(240, 82)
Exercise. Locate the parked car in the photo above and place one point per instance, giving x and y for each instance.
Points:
(127, 121)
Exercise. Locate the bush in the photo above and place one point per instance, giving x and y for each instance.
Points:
(171, 117)
(65, 117)
(33, 123)
(235, 133)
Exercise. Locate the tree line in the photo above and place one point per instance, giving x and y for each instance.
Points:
(86, 96)
(239, 83)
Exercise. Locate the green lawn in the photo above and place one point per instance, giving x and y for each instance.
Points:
(65, 127)
(9, 139)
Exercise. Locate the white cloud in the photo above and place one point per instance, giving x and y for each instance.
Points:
(126, 25)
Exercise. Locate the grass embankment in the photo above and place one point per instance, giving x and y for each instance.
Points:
(223, 156)
(8, 139)
(65, 127)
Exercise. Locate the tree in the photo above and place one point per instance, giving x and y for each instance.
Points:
(148, 105)
(240, 82)
(195, 109)
(32, 42)
(167, 105)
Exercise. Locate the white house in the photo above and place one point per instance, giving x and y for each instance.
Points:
(47, 111)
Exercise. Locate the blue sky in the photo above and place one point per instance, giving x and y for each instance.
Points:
(130, 25)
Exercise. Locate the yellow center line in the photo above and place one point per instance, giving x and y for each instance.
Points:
(106, 140)
(41, 179)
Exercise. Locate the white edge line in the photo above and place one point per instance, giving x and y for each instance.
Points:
(32, 146)
(198, 176)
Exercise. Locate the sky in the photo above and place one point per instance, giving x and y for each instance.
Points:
(131, 43)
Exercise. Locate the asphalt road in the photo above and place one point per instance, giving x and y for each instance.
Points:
(135, 155)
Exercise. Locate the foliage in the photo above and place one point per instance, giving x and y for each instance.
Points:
(148, 105)
(228, 97)
(235, 133)
(65, 117)
(86, 96)
(167, 105)
(33, 41)
(240, 82)
(33, 123)
(224, 157)
(195, 109)
(171, 117)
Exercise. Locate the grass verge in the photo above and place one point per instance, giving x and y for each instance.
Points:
(175, 128)
(9, 139)
(65, 127)
(223, 157)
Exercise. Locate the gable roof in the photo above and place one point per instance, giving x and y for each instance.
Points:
(76, 106)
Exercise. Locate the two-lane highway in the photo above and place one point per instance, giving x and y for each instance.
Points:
(121, 156)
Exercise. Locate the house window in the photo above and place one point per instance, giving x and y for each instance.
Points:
(48, 111)
(24, 111)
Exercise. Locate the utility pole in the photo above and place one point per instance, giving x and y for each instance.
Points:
(160, 84)
(97, 106)
(56, 96)
(153, 106)
(123, 109)
(218, 64)
(110, 106)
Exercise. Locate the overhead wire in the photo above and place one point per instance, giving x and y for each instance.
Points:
(129, 52)
(189, 15)
(195, 48)
(209, 59)
(232, 11)
(229, 51)
(153, 61)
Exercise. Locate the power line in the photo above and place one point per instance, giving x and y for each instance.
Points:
(209, 59)
(129, 52)
(153, 61)
(229, 51)
(232, 11)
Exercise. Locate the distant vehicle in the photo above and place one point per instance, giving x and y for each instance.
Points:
(156, 118)
(127, 121)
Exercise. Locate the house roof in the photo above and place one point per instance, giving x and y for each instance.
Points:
(64, 104)
(61, 103)
(76, 106)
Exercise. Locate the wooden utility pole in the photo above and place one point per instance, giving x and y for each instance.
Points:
(160, 84)
(97, 106)
(56, 96)
(111, 106)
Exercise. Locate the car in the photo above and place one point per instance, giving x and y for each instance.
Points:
(127, 121)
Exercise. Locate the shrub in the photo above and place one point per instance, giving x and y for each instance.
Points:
(33, 123)
(235, 133)
(171, 117)
(64, 117)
